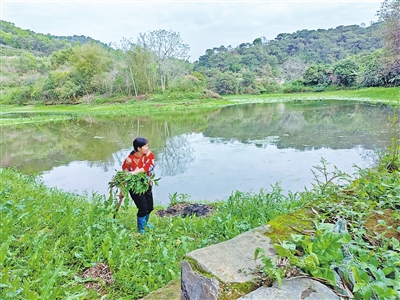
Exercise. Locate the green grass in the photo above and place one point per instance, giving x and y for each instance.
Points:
(383, 95)
(51, 237)
(160, 104)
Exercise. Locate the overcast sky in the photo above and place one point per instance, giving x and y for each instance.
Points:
(201, 24)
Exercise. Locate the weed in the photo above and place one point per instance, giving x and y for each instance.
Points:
(390, 159)
(52, 237)
(362, 261)
(327, 185)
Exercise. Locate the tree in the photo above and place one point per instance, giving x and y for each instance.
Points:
(60, 57)
(317, 75)
(226, 84)
(87, 61)
(293, 69)
(373, 70)
(389, 15)
(167, 47)
(345, 72)
(139, 69)
(248, 79)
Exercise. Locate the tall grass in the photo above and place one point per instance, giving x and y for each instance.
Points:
(49, 238)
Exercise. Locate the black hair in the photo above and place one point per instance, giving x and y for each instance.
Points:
(138, 143)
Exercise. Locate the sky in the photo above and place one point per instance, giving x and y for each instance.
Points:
(201, 24)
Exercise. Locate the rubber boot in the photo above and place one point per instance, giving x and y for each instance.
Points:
(140, 224)
(146, 223)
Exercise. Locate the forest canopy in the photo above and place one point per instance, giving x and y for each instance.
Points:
(38, 68)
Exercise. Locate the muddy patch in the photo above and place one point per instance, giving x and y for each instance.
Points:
(385, 223)
(186, 210)
(99, 275)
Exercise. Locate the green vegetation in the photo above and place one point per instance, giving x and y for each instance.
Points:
(37, 43)
(389, 96)
(389, 159)
(354, 244)
(160, 104)
(309, 60)
(51, 237)
(122, 180)
(43, 69)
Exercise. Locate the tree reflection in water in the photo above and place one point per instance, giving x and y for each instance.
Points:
(176, 156)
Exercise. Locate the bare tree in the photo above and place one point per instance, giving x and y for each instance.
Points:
(139, 67)
(389, 15)
(167, 47)
(293, 69)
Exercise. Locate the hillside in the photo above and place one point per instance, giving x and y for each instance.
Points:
(37, 43)
(261, 64)
(38, 68)
(310, 46)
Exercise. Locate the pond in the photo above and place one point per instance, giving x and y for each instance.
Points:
(205, 155)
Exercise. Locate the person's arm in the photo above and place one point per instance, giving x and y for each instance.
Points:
(137, 171)
(149, 164)
(127, 167)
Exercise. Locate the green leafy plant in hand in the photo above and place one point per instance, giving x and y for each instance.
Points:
(138, 183)
(125, 182)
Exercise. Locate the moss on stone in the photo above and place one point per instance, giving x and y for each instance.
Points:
(227, 291)
(282, 227)
(198, 269)
(236, 290)
(172, 291)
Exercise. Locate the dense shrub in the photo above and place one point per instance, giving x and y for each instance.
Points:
(188, 83)
(226, 84)
(21, 95)
(269, 87)
(295, 87)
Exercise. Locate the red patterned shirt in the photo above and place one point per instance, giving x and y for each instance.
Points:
(146, 162)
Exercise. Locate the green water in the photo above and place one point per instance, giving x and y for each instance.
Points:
(205, 156)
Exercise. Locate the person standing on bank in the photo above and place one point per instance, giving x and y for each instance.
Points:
(141, 159)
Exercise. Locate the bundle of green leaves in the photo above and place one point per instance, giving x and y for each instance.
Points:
(137, 183)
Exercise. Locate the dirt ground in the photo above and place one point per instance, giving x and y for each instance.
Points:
(101, 276)
(186, 210)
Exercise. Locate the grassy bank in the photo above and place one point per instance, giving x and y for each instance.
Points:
(159, 104)
(51, 237)
(389, 96)
(14, 115)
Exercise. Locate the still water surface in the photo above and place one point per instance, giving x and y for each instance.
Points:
(207, 155)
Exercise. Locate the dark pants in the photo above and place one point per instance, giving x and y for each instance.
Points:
(144, 202)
